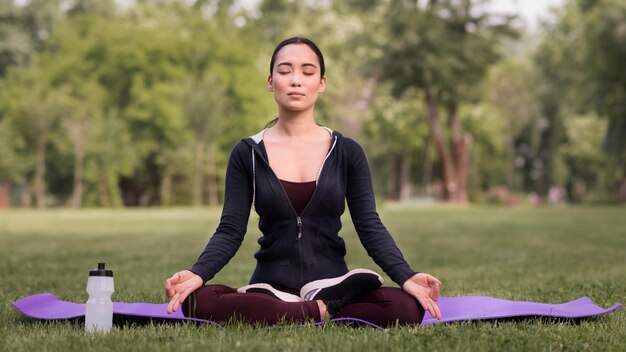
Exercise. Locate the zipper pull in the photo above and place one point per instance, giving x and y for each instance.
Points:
(299, 228)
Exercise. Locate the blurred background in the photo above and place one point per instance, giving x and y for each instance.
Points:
(138, 103)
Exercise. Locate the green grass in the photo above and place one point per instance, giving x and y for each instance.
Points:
(546, 255)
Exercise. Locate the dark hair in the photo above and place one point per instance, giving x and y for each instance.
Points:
(299, 40)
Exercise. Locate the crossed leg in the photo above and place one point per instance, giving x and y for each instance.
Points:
(384, 306)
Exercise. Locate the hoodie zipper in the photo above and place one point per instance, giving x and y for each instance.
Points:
(319, 174)
(299, 228)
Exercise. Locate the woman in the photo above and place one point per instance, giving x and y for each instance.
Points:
(297, 175)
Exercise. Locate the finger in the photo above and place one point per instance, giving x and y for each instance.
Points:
(432, 280)
(184, 294)
(171, 305)
(174, 279)
(424, 303)
(437, 311)
(176, 304)
(434, 295)
(431, 307)
(169, 292)
(181, 298)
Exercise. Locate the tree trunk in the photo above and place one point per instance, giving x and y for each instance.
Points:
(427, 167)
(77, 193)
(462, 142)
(131, 190)
(166, 187)
(114, 191)
(212, 185)
(103, 189)
(510, 159)
(198, 173)
(447, 166)
(5, 192)
(25, 197)
(40, 172)
(399, 184)
(77, 127)
(622, 190)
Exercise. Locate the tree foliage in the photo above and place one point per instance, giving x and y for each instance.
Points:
(102, 104)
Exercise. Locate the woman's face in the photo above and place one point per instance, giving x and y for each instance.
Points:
(296, 80)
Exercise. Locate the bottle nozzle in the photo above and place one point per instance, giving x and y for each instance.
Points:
(101, 271)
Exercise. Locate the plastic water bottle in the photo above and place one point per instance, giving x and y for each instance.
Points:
(99, 307)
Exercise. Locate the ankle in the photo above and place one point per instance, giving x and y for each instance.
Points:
(323, 310)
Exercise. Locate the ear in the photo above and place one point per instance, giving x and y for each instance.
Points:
(322, 86)
(270, 83)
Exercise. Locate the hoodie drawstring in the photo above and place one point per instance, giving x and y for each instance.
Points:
(253, 181)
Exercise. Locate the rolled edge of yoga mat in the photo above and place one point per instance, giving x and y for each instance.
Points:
(46, 306)
(469, 308)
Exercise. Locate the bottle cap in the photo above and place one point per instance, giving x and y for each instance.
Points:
(101, 271)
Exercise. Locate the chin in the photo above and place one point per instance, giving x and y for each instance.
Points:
(296, 107)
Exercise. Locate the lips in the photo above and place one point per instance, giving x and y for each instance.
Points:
(295, 94)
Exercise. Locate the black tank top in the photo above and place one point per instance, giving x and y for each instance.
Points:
(299, 193)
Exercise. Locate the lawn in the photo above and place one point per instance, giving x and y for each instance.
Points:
(548, 255)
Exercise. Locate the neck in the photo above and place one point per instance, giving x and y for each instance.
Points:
(295, 124)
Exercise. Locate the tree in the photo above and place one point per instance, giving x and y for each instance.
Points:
(33, 110)
(81, 109)
(604, 56)
(15, 45)
(10, 163)
(399, 131)
(510, 89)
(442, 48)
(204, 105)
(588, 166)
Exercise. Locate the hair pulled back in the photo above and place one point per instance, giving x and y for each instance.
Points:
(299, 40)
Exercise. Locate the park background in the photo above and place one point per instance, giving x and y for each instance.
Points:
(496, 142)
(138, 103)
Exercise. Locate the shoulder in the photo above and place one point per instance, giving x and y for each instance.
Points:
(241, 153)
(350, 143)
(350, 147)
(241, 148)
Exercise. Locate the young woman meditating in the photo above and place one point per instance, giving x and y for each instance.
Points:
(297, 176)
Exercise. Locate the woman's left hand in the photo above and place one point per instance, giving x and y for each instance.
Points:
(425, 289)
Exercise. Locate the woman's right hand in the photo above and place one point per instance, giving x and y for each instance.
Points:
(425, 289)
(179, 286)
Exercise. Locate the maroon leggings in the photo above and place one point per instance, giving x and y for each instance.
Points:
(383, 306)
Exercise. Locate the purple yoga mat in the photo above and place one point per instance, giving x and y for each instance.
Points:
(483, 308)
(46, 306)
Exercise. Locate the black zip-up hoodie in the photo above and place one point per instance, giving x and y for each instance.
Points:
(296, 249)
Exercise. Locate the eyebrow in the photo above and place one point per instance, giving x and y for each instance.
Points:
(291, 65)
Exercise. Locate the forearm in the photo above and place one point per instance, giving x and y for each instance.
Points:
(373, 234)
(234, 220)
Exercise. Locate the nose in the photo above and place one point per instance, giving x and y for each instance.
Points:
(295, 81)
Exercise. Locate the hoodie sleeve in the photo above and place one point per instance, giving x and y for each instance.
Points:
(373, 235)
(234, 220)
